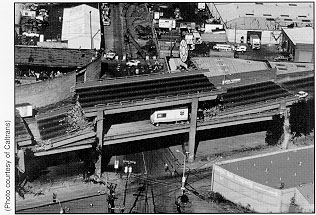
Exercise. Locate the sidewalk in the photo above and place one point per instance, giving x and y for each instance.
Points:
(66, 190)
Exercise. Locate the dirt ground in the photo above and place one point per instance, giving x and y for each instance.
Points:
(222, 145)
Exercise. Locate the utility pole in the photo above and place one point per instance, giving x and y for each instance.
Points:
(170, 29)
(146, 184)
(183, 173)
(111, 198)
(91, 31)
(128, 170)
(235, 32)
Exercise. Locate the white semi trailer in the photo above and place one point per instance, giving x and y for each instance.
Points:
(255, 42)
(172, 115)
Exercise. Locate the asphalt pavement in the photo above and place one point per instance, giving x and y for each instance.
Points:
(158, 197)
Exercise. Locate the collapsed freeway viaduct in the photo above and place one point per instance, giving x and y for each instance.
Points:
(245, 104)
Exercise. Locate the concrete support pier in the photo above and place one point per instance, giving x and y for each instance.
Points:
(286, 130)
(192, 134)
(286, 126)
(98, 164)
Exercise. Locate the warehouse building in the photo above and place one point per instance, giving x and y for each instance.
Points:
(269, 183)
(299, 42)
(241, 20)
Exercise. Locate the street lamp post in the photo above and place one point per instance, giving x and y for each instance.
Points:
(170, 29)
(183, 174)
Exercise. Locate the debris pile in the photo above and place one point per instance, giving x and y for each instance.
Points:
(55, 123)
(76, 119)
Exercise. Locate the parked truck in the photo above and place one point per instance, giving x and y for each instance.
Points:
(255, 42)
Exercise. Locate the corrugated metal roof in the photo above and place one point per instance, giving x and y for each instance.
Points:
(300, 35)
(52, 57)
(308, 191)
(230, 11)
(252, 23)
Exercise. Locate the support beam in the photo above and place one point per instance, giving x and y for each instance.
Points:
(193, 120)
(100, 117)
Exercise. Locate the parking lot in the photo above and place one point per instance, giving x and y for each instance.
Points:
(266, 52)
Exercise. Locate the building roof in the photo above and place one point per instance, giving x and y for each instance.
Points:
(296, 35)
(253, 23)
(224, 66)
(76, 27)
(291, 167)
(230, 11)
(308, 191)
(52, 57)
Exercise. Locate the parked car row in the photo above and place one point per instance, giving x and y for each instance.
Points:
(111, 55)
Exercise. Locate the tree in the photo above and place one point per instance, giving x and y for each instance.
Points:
(275, 131)
(150, 48)
(302, 117)
(143, 32)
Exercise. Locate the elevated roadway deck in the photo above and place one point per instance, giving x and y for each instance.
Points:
(127, 132)
(143, 104)
(140, 130)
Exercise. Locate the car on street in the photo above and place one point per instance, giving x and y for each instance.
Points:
(109, 55)
(283, 58)
(223, 47)
(133, 63)
(302, 94)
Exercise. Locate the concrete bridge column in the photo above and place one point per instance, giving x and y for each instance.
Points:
(192, 141)
(100, 118)
(286, 130)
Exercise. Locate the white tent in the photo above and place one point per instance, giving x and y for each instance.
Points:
(76, 27)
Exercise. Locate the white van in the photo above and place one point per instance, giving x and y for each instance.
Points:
(173, 115)
(223, 47)
(240, 48)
